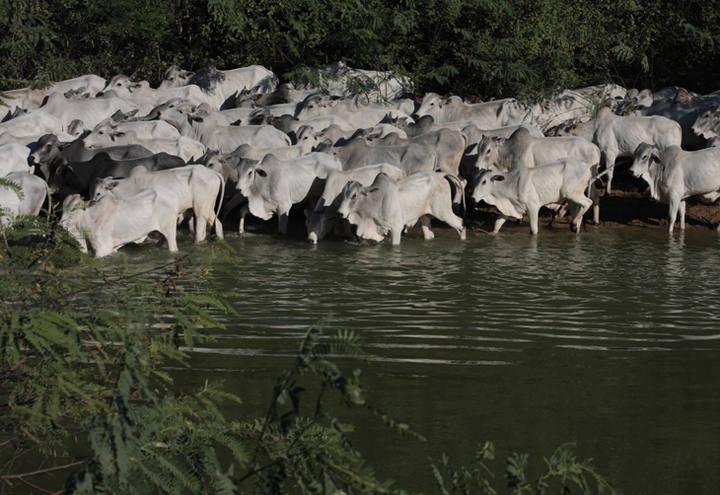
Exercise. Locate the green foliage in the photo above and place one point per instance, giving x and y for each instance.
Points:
(489, 48)
(564, 473)
(84, 350)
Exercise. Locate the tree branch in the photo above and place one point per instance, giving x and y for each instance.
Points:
(41, 471)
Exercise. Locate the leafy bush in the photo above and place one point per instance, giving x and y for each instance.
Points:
(489, 48)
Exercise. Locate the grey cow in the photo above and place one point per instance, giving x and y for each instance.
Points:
(674, 174)
(273, 186)
(324, 216)
(388, 206)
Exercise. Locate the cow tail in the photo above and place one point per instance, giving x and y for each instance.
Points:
(222, 197)
(457, 189)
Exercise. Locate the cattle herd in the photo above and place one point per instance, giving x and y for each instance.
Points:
(125, 159)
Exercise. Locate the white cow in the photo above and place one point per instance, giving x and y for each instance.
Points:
(144, 129)
(620, 136)
(306, 142)
(141, 93)
(322, 219)
(14, 157)
(273, 186)
(707, 124)
(488, 115)
(339, 79)
(224, 138)
(186, 148)
(27, 201)
(387, 206)
(37, 122)
(674, 174)
(222, 84)
(193, 187)
(29, 99)
(523, 150)
(112, 222)
(321, 105)
(524, 190)
(91, 111)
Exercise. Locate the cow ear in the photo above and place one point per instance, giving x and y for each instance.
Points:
(655, 158)
(261, 172)
(498, 178)
(116, 135)
(370, 191)
(90, 203)
(446, 102)
(113, 185)
(200, 119)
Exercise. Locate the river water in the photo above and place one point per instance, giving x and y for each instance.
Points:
(609, 339)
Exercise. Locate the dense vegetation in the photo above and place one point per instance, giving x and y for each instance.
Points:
(479, 47)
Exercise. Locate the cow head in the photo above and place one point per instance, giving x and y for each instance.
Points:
(488, 157)
(707, 124)
(644, 157)
(48, 148)
(485, 184)
(431, 105)
(365, 207)
(102, 186)
(248, 171)
(175, 77)
(313, 106)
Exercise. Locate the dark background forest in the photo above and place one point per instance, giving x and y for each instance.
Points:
(488, 48)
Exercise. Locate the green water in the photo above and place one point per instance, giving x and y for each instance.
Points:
(609, 339)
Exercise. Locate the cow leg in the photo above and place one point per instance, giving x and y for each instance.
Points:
(170, 234)
(455, 222)
(243, 213)
(218, 227)
(674, 207)
(396, 234)
(200, 227)
(499, 223)
(609, 158)
(533, 217)
(425, 224)
(583, 205)
(283, 222)
(595, 197)
(681, 214)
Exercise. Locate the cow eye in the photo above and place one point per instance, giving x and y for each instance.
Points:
(353, 196)
(484, 181)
